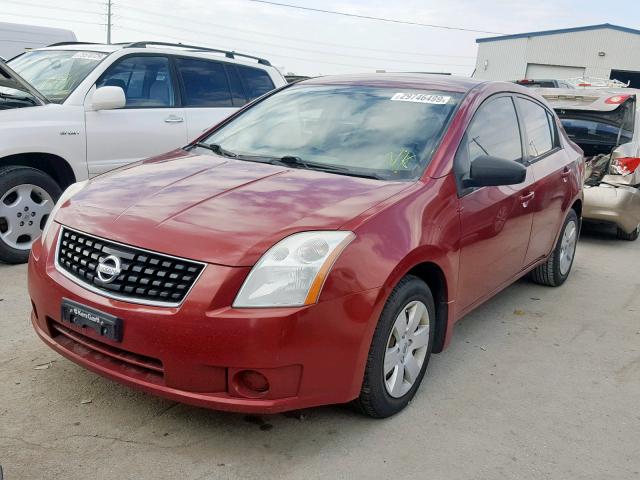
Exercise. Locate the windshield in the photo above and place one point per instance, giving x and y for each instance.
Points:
(56, 73)
(387, 132)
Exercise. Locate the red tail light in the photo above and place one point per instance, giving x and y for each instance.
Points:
(625, 166)
(616, 99)
(584, 84)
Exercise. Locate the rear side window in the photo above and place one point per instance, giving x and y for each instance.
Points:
(494, 132)
(237, 91)
(205, 83)
(256, 82)
(540, 136)
(146, 81)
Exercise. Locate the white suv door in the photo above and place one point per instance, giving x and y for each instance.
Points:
(149, 124)
(212, 90)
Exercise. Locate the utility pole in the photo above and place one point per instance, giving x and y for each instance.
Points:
(109, 22)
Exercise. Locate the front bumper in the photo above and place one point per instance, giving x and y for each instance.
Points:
(618, 205)
(193, 353)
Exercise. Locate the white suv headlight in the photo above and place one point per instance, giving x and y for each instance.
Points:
(292, 272)
(66, 195)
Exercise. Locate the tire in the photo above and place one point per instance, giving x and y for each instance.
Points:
(622, 235)
(27, 196)
(411, 295)
(555, 271)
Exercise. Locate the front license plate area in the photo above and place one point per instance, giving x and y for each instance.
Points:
(103, 324)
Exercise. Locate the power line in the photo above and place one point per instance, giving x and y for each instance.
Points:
(258, 52)
(306, 50)
(63, 20)
(295, 39)
(367, 17)
(39, 5)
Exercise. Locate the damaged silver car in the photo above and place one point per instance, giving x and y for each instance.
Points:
(605, 123)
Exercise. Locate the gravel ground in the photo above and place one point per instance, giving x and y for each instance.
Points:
(538, 383)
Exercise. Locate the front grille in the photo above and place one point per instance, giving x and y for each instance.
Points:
(146, 277)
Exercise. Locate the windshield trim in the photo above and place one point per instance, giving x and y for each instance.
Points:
(419, 173)
(41, 95)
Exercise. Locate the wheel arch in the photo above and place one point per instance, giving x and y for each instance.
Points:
(577, 207)
(433, 275)
(53, 165)
(437, 268)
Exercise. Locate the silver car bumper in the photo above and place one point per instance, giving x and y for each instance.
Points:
(619, 205)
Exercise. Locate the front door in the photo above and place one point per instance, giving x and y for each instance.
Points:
(495, 221)
(150, 123)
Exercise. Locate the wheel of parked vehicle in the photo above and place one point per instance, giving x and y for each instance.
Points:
(622, 235)
(557, 268)
(400, 349)
(27, 196)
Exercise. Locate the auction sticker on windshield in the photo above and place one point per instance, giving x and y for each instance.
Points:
(420, 98)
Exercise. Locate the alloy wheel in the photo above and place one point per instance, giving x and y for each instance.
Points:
(406, 349)
(568, 247)
(24, 210)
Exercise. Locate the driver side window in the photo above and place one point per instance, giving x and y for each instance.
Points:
(494, 132)
(145, 80)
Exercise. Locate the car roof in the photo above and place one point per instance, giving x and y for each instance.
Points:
(585, 99)
(423, 81)
(161, 47)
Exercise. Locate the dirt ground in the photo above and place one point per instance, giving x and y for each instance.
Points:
(538, 383)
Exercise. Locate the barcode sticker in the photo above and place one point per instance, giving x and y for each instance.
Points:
(420, 98)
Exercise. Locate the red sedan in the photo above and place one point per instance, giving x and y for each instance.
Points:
(316, 247)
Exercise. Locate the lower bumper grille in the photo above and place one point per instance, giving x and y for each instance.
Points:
(141, 366)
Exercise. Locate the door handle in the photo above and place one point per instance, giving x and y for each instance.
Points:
(525, 199)
(173, 119)
(565, 174)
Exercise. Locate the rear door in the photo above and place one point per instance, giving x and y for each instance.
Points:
(552, 169)
(495, 221)
(213, 90)
(206, 93)
(149, 124)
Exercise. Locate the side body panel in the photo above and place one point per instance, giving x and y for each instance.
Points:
(51, 129)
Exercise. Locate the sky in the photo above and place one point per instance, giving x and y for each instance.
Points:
(314, 43)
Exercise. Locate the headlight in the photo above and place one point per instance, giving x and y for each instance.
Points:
(66, 195)
(292, 272)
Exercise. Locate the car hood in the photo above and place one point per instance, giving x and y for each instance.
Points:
(215, 209)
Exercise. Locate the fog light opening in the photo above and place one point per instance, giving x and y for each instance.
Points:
(251, 383)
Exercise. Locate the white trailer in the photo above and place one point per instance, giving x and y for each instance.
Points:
(16, 38)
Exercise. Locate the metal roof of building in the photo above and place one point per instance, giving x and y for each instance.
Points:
(561, 30)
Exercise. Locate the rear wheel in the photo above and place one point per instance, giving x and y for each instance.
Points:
(555, 271)
(27, 196)
(400, 349)
(622, 235)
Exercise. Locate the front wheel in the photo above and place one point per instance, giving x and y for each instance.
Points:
(622, 235)
(27, 196)
(400, 349)
(556, 269)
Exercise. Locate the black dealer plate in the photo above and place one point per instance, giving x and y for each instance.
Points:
(102, 323)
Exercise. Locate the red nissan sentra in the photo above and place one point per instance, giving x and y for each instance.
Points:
(314, 248)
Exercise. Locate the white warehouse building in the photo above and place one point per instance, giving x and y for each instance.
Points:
(603, 51)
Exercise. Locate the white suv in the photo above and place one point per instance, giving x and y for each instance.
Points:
(75, 110)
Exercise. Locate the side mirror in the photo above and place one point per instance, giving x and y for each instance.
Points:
(489, 171)
(108, 98)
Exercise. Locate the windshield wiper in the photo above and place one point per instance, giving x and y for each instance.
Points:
(297, 162)
(217, 149)
(18, 98)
